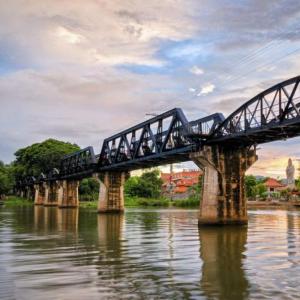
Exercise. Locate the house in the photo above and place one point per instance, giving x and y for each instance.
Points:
(179, 182)
(273, 185)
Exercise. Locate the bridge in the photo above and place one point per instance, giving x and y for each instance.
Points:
(224, 148)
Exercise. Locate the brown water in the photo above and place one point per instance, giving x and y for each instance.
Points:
(47, 253)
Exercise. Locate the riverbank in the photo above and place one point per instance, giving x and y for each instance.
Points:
(17, 201)
(129, 202)
(272, 204)
(160, 203)
(149, 202)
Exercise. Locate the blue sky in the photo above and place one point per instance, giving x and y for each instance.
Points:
(82, 70)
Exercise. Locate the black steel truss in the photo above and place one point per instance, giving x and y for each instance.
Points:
(271, 115)
(162, 139)
(53, 175)
(78, 164)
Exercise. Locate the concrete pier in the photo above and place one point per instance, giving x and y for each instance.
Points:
(41, 193)
(68, 195)
(223, 192)
(111, 194)
(55, 193)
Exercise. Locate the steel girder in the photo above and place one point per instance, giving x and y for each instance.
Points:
(163, 139)
(269, 116)
(78, 164)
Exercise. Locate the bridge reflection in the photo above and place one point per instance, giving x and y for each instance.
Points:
(54, 220)
(221, 250)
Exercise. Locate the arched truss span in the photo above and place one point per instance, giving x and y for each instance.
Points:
(271, 115)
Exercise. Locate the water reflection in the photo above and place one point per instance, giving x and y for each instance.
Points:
(222, 252)
(54, 220)
(51, 253)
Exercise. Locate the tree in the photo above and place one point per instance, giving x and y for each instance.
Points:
(41, 157)
(6, 179)
(250, 185)
(89, 189)
(261, 190)
(196, 189)
(148, 185)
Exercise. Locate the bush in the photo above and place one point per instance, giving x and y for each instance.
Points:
(191, 202)
(146, 186)
(137, 201)
(89, 189)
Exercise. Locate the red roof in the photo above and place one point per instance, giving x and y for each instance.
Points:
(273, 183)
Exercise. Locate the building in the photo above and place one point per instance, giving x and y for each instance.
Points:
(273, 185)
(180, 182)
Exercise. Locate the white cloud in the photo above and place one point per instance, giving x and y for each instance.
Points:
(69, 36)
(206, 89)
(196, 70)
(192, 90)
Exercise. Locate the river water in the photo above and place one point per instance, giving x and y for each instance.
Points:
(51, 253)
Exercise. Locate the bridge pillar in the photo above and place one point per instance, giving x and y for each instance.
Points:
(111, 194)
(68, 194)
(54, 192)
(223, 192)
(40, 193)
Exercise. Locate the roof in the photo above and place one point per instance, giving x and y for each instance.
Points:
(273, 183)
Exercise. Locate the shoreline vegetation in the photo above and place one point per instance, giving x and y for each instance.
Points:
(129, 202)
(139, 202)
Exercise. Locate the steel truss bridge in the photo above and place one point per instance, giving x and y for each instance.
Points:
(271, 115)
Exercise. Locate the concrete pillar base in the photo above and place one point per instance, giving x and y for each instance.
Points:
(223, 192)
(111, 194)
(41, 193)
(68, 194)
(53, 194)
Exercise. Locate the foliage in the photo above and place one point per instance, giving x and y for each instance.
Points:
(255, 187)
(261, 190)
(250, 185)
(195, 191)
(17, 201)
(191, 202)
(144, 202)
(41, 157)
(89, 189)
(6, 179)
(148, 185)
(89, 204)
(297, 183)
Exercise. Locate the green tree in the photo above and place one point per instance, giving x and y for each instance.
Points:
(41, 157)
(89, 189)
(250, 185)
(196, 189)
(261, 189)
(148, 185)
(6, 179)
(131, 186)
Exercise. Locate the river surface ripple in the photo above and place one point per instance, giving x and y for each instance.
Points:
(51, 253)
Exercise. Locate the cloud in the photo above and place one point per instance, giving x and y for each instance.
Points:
(206, 89)
(65, 67)
(196, 70)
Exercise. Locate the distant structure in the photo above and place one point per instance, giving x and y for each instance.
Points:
(290, 174)
(273, 185)
(178, 183)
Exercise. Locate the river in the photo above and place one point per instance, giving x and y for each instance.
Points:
(51, 253)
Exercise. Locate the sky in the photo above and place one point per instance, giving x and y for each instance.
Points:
(80, 71)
